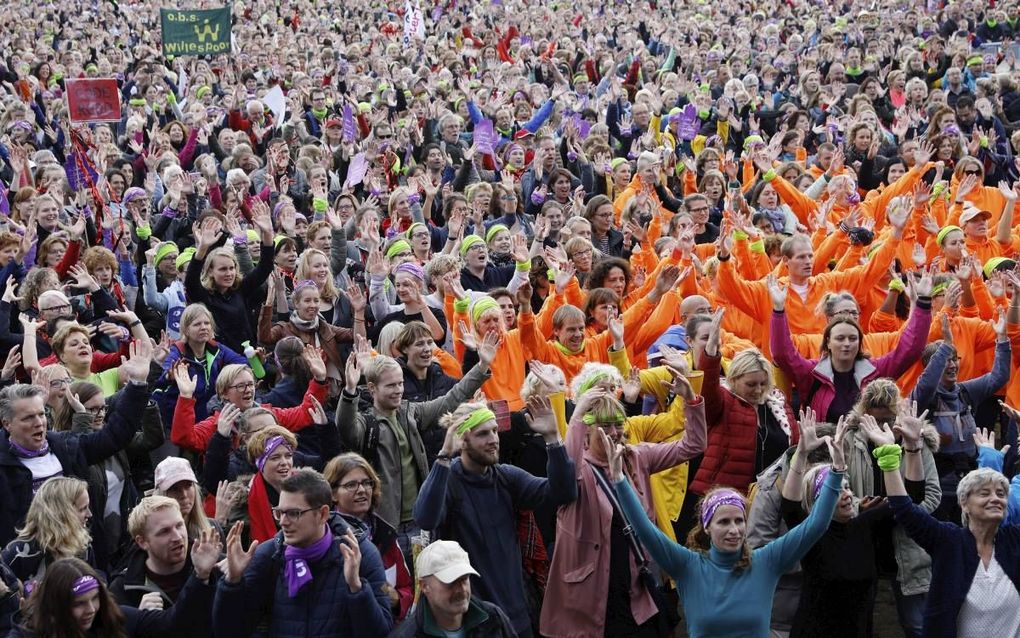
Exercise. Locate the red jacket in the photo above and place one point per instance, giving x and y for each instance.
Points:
(732, 432)
(195, 436)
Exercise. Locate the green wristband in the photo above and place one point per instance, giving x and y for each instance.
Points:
(143, 232)
(770, 175)
(888, 457)
(523, 266)
(461, 305)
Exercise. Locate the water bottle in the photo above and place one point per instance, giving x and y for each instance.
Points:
(253, 360)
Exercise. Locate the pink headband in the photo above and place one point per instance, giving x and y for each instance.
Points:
(84, 585)
(411, 269)
(271, 446)
(717, 500)
(304, 283)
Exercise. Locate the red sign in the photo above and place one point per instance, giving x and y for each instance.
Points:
(93, 100)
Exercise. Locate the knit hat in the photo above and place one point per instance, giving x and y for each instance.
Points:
(165, 249)
(184, 257)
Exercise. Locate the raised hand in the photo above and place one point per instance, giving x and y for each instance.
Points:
(227, 419)
(614, 455)
(541, 418)
(351, 552)
(777, 292)
(879, 435)
(488, 348)
(317, 412)
(909, 424)
(205, 553)
(809, 439)
(186, 384)
(352, 373)
(316, 364)
(137, 366)
(238, 558)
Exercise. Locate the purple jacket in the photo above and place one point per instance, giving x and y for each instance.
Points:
(578, 585)
(816, 377)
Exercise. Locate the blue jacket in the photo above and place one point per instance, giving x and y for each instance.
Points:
(483, 518)
(76, 452)
(954, 561)
(205, 372)
(324, 607)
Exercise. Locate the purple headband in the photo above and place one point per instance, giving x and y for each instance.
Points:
(84, 585)
(271, 446)
(411, 269)
(717, 500)
(819, 481)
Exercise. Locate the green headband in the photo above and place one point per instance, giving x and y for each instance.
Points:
(468, 242)
(580, 77)
(617, 163)
(410, 229)
(481, 306)
(165, 249)
(478, 417)
(589, 419)
(975, 59)
(495, 230)
(590, 383)
(397, 247)
(945, 231)
(137, 101)
(993, 264)
(253, 235)
(202, 91)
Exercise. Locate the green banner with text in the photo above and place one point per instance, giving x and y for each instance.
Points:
(195, 32)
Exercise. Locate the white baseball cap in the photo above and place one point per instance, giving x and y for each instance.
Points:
(446, 560)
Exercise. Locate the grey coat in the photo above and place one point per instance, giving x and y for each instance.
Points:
(414, 418)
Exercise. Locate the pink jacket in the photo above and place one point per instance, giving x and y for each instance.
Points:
(814, 378)
(578, 585)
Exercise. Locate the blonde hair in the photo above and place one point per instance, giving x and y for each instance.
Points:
(591, 370)
(387, 336)
(533, 385)
(196, 521)
(193, 312)
(52, 520)
(228, 375)
(328, 291)
(747, 362)
(63, 334)
(149, 505)
(879, 393)
(207, 266)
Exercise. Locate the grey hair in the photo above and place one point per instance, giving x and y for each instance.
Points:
(973, 481)
(17, 392)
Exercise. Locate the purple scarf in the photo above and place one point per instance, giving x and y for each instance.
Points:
(296, 560)
(25, 453)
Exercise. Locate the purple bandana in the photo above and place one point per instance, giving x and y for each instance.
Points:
(717, 500)
(84, 585)
(271, 446)
(25, 453)
(819, 481)
(412, 269)
(296, 560)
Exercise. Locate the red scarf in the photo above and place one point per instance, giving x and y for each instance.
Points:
(263, 527)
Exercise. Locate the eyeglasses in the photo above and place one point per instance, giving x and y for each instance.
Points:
(972, 171)
(508, 198)
(291, 515)
(352, 486)
(697, 210)
(96, 411)
(582, 253)
(60, 308)
(59, 383)
(241, 387)
(420, 234)
(610, 426)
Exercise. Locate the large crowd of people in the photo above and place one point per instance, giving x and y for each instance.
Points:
(491, 319)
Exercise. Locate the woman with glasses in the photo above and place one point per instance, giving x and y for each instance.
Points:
(57, 526)
(505, 208)
(967, 186)
(235, 387)
(267, 451)
(356, 493)
(111, 482)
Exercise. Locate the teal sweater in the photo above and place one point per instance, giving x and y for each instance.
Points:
(719, 602)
